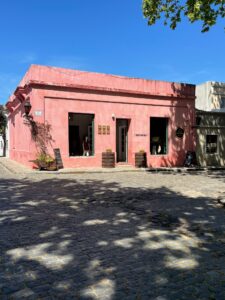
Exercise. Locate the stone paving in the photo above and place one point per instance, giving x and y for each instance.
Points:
(112, 236)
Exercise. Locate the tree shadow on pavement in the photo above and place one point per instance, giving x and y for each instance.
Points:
(92, 239)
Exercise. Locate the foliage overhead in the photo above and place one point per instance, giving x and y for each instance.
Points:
(172, 11)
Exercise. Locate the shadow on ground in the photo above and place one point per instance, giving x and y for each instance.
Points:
(90, 239)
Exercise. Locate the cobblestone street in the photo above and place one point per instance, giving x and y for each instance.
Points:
(112, 236)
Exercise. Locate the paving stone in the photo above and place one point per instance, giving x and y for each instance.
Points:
(22, 294)
(124, 236)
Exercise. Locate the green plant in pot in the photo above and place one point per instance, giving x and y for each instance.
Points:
(142, 151)
(41, 136)
(45, 161)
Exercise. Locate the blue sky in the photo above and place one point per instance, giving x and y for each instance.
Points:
(104, 36)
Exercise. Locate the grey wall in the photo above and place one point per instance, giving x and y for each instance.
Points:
(209, 96)
(211, 123)
(203, 100)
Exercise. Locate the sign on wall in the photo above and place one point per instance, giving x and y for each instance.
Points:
(104, 129)
(38, 113)
(180, 132)
(141, 134)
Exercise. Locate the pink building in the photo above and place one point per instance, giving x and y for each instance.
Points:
(123, 114)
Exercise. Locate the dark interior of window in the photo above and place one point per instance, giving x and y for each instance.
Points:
(198, 120)
(222, 102)
(81, 134)
(158, 135)
(211, 143)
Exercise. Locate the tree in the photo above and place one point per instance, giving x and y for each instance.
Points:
(3, 124)
(3, 121)
(172, 11)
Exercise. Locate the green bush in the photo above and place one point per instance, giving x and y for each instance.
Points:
(43, 157)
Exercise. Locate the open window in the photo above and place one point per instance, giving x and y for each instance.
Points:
(211, 144)
(158, 136)
(81, 134)
(222, 102)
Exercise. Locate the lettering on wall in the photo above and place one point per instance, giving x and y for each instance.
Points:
(140, 134)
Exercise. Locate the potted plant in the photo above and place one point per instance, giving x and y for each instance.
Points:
(45, 161)
(108, 159)
(41, 135)
(140, 159)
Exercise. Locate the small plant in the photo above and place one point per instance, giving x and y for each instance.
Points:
(43, 157)
(45, 161)
(142, 151)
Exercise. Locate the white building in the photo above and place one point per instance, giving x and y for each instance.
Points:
(210, 96)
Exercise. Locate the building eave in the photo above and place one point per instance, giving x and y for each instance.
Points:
(105, 90)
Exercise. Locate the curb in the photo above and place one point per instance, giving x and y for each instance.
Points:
(89, 171)
(185, 170)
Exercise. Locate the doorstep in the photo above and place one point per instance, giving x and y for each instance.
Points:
(117, 169)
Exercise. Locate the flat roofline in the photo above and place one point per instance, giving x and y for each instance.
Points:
(108, 74)
(39, 84)
(40, 76)
(203, 112)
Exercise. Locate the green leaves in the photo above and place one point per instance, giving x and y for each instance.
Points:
(172, 11)
(3, 122)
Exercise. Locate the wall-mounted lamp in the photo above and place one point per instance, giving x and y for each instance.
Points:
(113, 116)
(27, 108)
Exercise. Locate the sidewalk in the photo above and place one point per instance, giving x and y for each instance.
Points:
(13, 167)
(17, 168)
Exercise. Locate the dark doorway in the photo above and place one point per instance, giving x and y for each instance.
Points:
(122, 139)
(74, 140)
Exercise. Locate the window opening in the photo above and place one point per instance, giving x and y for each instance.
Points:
(211, 143)
(81, 134)
(158, 136)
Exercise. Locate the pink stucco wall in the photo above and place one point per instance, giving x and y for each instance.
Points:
(57, 92)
